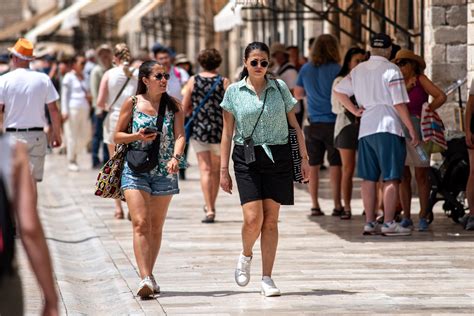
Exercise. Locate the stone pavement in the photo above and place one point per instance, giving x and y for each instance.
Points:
(324, 266)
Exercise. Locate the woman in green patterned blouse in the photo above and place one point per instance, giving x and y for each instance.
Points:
(149, 194)
(258, 109)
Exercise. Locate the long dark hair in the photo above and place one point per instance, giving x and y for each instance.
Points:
(251, 47)
(145, 71)
(347, 60)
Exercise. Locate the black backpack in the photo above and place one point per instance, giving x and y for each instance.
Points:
(7, 232)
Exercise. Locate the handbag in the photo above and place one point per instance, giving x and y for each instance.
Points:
(141, 161)
(109, 179)
(294, 148)
(432, 130)
(188, 128)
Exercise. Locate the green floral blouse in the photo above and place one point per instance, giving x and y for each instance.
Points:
(142, 120)
(245, 106)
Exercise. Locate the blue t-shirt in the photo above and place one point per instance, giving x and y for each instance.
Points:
(317, 83)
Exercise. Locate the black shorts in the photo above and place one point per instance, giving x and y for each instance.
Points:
(264, 179)
(347, 138)
(319, 138)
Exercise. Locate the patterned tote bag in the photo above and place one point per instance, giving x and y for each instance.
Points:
(109, 178)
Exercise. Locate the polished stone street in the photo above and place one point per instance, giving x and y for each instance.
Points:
(324, 265)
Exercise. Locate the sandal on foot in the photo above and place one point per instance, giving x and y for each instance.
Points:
(346, 214)
(337, 212)
(316, 211)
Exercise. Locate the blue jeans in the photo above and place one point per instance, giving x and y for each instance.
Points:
(97, 139)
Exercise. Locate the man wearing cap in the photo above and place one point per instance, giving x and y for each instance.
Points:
(23, 94)
(379, 88)
(104, 55)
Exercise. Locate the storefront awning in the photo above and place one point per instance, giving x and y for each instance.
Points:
(16, 28)
(228, 17)
(131, 22)
(69, 17)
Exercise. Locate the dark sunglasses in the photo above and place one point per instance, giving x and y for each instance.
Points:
(402, 62)
(160, 76)
(255, 62)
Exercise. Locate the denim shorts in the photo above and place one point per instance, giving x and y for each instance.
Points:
(381, 156)
(150, 182)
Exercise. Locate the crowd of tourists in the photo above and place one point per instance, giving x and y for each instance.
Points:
(362, 110)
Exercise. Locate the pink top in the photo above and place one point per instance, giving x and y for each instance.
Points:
(418, 97)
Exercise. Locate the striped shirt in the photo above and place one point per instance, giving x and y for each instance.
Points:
(377, 85)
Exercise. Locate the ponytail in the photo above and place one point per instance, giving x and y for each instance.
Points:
(122, 52)
(244, 73)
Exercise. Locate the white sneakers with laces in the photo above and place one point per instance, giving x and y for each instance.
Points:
(395, 229)
(145, 287)
(269, 288)
(242, 272)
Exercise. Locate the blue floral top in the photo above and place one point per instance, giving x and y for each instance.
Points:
(244, 104)
(142, 120)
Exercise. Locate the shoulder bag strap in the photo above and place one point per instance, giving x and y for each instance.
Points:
(204, 100)
(279, 89)
(121, 90)
(159, 126)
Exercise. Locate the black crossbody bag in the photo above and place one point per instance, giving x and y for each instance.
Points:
(249, 145)
(141, 161)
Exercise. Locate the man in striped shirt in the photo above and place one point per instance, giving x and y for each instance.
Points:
(379, 89)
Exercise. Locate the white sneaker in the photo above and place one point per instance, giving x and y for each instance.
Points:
(242, 272)
(145, 287)
(372, 228)
(269, 288)
(394, 229)
(156, 287)
(73, 167)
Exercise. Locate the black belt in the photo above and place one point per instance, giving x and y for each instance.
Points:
(31, 129)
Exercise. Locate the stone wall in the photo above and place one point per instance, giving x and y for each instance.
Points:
(470, 41)
(446, 49)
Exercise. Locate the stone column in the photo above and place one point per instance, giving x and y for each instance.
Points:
(470, 41)
(446, 49)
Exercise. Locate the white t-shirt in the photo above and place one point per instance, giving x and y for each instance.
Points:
(377, 85)
(178, 77)
(25, 93)
(73, 93)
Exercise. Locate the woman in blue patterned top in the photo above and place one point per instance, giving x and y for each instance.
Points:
(149, 194)
(258, 109)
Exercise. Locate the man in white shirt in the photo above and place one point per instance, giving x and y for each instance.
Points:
(23, 94)
(178, 76)
(379, 88)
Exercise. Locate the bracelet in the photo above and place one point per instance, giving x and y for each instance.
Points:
(305, 157)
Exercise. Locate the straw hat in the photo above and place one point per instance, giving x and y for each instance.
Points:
(23, 49)
(408, 54)
(278, 48)
(181, 59)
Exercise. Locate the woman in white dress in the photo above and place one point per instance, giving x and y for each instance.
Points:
(117, 84)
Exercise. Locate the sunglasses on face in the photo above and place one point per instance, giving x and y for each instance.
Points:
(160, 76)
(262, 63)
(402, 63)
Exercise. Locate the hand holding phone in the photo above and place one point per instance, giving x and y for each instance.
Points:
(150, 130)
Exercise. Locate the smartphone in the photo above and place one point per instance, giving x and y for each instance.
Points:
(150, 130)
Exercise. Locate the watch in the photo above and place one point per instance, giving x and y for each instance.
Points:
(178, 157)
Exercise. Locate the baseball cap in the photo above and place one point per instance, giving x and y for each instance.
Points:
(380, 40)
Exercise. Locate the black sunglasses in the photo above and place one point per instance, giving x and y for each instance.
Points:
(402, 62)
(255, 62)
(160, 76)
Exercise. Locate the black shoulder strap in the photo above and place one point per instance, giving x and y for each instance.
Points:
(155, 147)
(285, 67)
(261, 112)
(121, 89)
